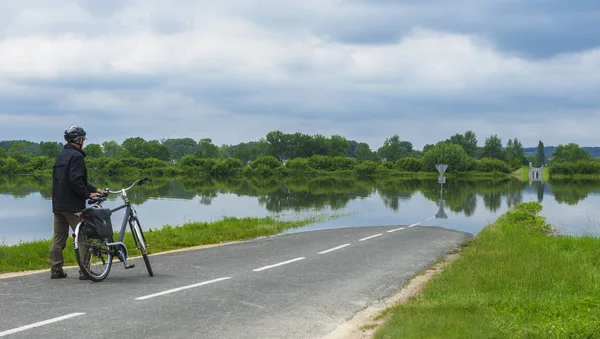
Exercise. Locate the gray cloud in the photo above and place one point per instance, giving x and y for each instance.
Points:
(235, 70)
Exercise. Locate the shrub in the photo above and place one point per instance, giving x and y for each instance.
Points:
(490, 165)
(265, 160)
(366, 169)
(409, 164)
(447, 153)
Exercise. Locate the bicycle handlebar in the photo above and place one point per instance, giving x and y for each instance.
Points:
(140, 182)
(97, 200)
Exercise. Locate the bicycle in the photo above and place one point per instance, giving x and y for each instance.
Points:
(94, 244)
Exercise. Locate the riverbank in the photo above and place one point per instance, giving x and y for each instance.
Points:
(28, 256)
(515, 279)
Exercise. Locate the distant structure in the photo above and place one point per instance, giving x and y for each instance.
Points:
(535, 174)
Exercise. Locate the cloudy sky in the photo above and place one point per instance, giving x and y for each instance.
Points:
(233, 70)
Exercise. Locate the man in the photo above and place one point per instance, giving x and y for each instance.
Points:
(70, 190)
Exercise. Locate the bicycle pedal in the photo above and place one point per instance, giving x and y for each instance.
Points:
(129, 266)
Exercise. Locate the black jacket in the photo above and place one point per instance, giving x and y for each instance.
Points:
(70, 187)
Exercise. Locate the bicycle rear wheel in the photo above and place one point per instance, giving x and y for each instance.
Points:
(94, 256)
(140, 242)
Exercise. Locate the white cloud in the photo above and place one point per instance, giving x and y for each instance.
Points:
(241, 62)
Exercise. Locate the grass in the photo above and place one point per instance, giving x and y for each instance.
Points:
(513, 280)
(34, 255)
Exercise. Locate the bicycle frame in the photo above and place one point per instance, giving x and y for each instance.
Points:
(129, 213)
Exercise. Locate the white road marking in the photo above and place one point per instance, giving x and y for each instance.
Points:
(280, 264)
(41, 323)
(371, 237)
(397, 229)
(182, 288)
(334, 249)
(430, 218)
(413, 225)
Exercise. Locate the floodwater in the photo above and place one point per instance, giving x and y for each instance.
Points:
(26, 209)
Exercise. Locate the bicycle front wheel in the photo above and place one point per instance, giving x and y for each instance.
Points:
(94, 256)
(140, 242)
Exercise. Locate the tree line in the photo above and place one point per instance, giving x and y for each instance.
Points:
(298, 151)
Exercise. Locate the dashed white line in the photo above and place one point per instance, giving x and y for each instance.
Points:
(335, 249)
(371, 237)
(430, 218)
(397, 229)
(413, 225)
(279, 264)
(41, 323)
(182, 288)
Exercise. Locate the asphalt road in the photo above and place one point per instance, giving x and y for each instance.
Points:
(299, 285)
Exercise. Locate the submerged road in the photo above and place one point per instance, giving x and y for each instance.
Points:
(300, 285)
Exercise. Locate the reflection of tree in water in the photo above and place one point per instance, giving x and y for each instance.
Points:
(392, 192)
(492, 201)
(539, 187)
(470, 205)
(571, 192)
(461, 195)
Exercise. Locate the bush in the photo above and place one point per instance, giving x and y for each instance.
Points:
(267, 161)
(366, 169)
(227, 168)
(409, 164)
(330, 164)
(447, 153)
(298, 164)
(9, 166)
(490, 165)
(152, 163)
(40, 163)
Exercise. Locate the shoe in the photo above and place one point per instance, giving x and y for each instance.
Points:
(84, 277)
(58, 275)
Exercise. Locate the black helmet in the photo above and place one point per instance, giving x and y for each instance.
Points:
(74, 133)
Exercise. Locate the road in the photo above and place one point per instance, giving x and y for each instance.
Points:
(300, 285)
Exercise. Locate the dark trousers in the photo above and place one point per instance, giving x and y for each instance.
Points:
(62, 222)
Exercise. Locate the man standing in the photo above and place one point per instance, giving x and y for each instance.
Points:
(70, 189)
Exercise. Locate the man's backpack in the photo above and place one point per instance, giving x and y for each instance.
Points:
(97, 223)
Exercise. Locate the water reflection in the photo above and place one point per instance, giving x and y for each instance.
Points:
(461, 204)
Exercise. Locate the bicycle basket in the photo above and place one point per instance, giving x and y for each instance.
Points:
(97, 223)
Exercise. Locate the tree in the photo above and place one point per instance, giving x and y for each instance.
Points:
(206, 149)
(427, 147)
(18, 152)
(364, 152)
(154, 149)
(50, 149)
(112, 149)
(514, 154)
(492, 148)
(93, 151)
(278, 144)
(135, 147)
(393, 149)
(448, 153)
(181, 147)
(468, 142)
(337, 146)
(2, 153)
(570, 153)
(540, 158)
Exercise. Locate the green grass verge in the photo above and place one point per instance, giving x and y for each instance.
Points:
(34, 255)
(513, 280)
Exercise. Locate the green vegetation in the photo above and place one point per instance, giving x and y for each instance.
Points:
(286, 155)
(513, 280)
(34, 255)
